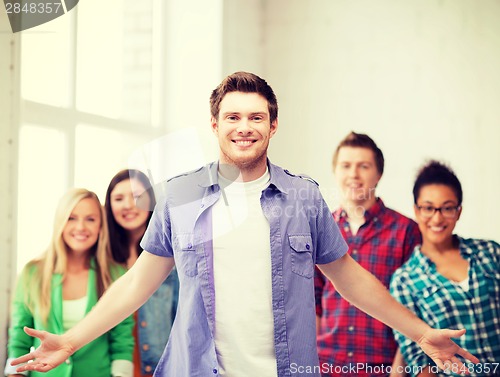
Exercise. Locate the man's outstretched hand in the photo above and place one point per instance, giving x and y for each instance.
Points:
(437, 344)
(52, 351)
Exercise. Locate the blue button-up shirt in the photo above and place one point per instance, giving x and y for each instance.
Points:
(302, 233)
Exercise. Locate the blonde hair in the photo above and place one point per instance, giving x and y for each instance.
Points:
(54, 259)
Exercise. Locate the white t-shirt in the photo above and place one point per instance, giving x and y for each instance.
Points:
(73, 311)
(244, 327)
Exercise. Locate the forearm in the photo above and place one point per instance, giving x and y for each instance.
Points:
(367, 293)
(123, 298)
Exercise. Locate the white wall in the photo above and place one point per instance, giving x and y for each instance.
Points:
(193, 62)
(9, 94)
(420, 77)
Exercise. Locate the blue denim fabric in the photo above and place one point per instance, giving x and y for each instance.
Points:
(155, 320)
(302, 233)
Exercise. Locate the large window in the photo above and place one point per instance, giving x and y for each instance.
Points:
(95, 100)
(89, 80)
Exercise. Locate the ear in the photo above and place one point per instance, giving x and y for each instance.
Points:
(415, 209)
(459, 213)
(213, 123)
(274, 127)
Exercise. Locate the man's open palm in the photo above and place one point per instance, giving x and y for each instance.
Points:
(51, 352)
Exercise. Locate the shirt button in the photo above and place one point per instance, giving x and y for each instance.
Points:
(144, 324)
(148, 368)
(190, 246)
(68, 361)
(203, 205)
(351, 328)
(214, 371)
(145, 347)
(307, 246)
(355, 251)
(349, 354)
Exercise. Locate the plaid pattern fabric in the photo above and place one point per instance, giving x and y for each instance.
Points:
(381, 245)
(444, 304)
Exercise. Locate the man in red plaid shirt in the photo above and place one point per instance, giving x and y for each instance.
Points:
(381, 240)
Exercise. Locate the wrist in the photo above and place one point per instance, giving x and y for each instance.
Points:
(70, 342)
(421, 335)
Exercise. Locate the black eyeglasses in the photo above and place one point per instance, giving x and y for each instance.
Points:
(450, 212)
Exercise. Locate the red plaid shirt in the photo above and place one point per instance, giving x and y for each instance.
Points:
(347, 335)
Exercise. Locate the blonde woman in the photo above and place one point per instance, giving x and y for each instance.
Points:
(56, 290)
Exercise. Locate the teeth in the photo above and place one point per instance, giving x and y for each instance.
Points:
(244, 142)
(437, 228)
(80, 237)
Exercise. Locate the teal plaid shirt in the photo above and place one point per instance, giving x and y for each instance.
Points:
(444, 304)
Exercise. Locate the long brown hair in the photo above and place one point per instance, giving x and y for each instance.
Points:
(118, 236)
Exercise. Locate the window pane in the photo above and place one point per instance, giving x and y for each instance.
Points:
(100, 154)
(45, 62)
(42, 182)
(114, 59)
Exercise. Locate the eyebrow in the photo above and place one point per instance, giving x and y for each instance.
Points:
(447, 202)
(239, 113)
(357, 162)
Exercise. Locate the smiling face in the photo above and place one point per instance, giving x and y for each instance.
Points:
(123, 205)
(437, 229)
(243, 129)
(82, 228)
(357, 176)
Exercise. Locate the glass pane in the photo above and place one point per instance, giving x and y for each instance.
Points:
(100, 153)
(42, 182)
(114, 59)
(45, 69)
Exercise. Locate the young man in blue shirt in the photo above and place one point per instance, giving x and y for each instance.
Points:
(244, 235)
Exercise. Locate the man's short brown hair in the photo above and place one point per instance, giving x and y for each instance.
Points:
(356, 140)
(248, 83)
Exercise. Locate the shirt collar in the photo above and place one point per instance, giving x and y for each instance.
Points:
(374, 212)
(422, 260)
(209, 176)
(426, 263)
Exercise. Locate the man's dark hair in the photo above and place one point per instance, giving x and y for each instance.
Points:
(437, 173)
(247, 83)
(356, 140)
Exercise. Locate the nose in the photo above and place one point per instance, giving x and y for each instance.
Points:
(129, 202)
(437, 213)
(244, 127)
(80, 224)
(353, 171)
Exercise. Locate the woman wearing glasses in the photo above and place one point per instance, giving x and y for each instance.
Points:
(449, 281)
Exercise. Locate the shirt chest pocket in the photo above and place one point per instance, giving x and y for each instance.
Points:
(301, 251)
(185, 254)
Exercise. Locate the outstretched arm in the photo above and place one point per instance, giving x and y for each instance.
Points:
(124, 297)
(363, 290)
